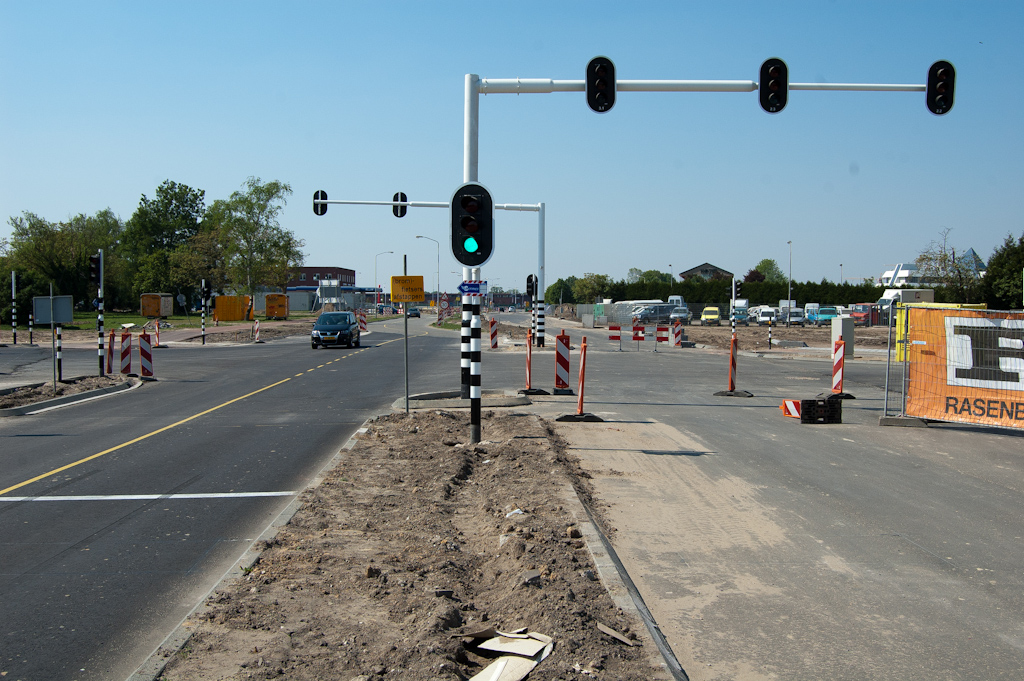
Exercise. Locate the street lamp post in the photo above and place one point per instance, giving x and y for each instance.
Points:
(789, 290)
(437, 291)
(376, 288)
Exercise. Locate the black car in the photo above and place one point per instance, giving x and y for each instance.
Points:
(335, 328)
(414, 312)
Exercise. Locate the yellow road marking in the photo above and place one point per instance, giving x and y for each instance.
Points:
(139, 439)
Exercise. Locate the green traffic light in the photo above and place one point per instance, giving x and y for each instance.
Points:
(471, 245)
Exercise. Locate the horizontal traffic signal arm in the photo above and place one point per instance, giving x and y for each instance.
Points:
(490, 86)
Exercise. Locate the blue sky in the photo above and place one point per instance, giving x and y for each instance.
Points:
(102, 101)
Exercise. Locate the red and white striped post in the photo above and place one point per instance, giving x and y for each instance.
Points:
(126, 352)
(638, 336)
(677, 334)
(494, 334)
(562, 364)
(362, 320)
(256, 332)
(145, 356)
(732, 391)
(615, 334)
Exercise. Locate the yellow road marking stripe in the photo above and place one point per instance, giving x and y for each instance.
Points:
(138, 439)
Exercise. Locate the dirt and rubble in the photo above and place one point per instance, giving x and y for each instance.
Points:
(19, 397)
(410, 541)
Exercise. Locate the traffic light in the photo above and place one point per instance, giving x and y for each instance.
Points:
(472, 218)
(319, 208)
(600, 84)
(204, 290)
(773, 87)
(400, 211)
(94, 268)
(939, 91)
(531, 285)
(736, 287)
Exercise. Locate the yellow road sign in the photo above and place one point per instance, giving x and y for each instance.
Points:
(407, 289)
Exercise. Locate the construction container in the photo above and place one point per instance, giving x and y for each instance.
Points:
(232, 308)
(154, 305)
(277, 306)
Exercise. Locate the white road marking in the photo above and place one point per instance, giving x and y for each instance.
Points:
(149, 497)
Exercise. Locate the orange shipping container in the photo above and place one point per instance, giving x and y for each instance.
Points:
(277, 306)
(153, 305)
(231, 308)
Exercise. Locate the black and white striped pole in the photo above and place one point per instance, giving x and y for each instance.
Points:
(96, 276)
(14, 309)
(203, 298)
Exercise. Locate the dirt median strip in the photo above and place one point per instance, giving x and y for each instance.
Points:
(410, 540)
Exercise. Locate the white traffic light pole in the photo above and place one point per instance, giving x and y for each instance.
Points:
(475, 86)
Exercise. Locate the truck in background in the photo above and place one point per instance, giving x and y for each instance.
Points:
(739, 310)
(901, 295)
(864, 314)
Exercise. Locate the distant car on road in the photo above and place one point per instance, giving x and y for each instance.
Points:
(825, 315)
(335, 328)
(653, 314)
(709, 316)
(414, 312)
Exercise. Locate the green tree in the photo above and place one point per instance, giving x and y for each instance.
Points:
(655, 277)
(587, 289)
(1003, 277)
(633, 275)
(773, 274)
(560, 292)
(259, 251)
(158, 227)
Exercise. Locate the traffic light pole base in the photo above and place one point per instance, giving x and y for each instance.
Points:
(533, 391)
(733, 393)
(580, 418)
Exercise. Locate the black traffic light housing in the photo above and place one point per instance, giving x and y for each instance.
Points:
(319, 208)
(531, 286)
(472, 224)
(939, 90)
(400, 211)
(773, 86)
(204, 291)
(600, 83)
(94, 268)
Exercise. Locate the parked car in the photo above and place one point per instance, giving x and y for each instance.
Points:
(680, 314)
(825, 315)
(335, 328)
(710, 316)
(796, 317)
(864, 314)
(414, 312)
(766, 315)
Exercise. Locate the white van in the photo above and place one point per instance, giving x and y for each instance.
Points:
(766, 315)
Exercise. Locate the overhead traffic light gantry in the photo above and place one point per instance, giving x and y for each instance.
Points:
(939, 88)
(600, 84)
(472, 224)
(773, 85)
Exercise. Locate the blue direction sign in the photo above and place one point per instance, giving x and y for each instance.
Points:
(474, 288)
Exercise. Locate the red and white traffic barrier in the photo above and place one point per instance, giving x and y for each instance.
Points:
(157, 334)
(562, 364)
(145, 356)
(256, 330)
(837, 367)
(790, 408)
(494, 334)
(638, 333)
(126, 352)
(732, 364)
(677, 334)
(660, 336)
(362, 320)
(615, 334)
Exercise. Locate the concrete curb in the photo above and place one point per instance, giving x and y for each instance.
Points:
(154, 665)
(68, 399)
(452, 400)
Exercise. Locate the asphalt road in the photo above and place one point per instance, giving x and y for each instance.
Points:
(92, 580)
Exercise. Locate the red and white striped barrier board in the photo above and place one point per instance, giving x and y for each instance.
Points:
(614, 332)
(362, 320)
(790, 408)
(677, 334)
(562, 364)
(145, 356)
(638, 333)
(661, 334)
(837, 367)
(256, 330)
(126, 353)
(494, 334)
